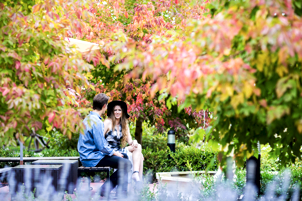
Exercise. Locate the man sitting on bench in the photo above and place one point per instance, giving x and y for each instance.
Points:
(95, 151)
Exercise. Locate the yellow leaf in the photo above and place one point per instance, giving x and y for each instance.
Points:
(281, 70)
(229, 90)
(92, 87)
(224, 96)
(226, 91)
(69, 134)
(89, 75)
(78, 90)
(261, 58)
(247, 90)
(236, 100)
(249, 154)
(299, 125)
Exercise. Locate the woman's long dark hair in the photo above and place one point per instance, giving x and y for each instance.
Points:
(124, 123)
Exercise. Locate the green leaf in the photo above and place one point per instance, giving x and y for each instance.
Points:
(198, 135)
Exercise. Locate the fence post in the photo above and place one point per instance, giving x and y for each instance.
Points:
(21, 152)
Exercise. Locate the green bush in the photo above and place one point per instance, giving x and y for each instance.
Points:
(13, 152)
(268, 162)
(59, 141)
(185, 159)
(154, 142)
(60, 152)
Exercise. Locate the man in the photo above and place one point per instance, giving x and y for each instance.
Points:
(94, 149)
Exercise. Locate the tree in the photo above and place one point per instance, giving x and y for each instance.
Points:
(110, 24)
(243, 62)
(39, 72)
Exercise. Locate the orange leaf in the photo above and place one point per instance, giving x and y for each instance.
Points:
(36, 8)
(263, 103)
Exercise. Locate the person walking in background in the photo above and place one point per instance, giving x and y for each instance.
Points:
(94, 150)
(117, 134)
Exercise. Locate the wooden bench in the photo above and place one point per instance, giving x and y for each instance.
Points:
(31, 159)
(4, 172)
(80, 169)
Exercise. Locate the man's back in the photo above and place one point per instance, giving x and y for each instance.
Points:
(92, 145)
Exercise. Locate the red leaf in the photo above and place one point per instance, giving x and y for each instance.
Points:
(14, 124)
(27, 67)
(55, 124)
(18, 64)
(40, 85)
(51, 117)
(5, 91)
(46, 60)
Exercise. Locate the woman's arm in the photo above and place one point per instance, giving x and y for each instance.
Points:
(107, 125)
(131, 142)
(129, 138)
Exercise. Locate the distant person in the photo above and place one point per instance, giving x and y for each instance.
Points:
(117, 134)
(94, 149)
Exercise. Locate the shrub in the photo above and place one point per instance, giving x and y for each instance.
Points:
(13, 152)
(59, 141)
(154, 142)
(185, 159)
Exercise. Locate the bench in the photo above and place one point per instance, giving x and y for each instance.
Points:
(4, 172)
(69, 171)
(80, 169)
(31, 159)
(89, 170)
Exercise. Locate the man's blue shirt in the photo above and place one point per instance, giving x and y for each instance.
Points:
(92, 145)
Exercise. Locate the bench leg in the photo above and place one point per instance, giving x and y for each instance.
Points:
(89, 181)
(108, 174)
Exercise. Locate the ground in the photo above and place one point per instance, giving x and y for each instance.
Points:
(4, 191)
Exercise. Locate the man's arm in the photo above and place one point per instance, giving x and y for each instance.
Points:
(99, 139)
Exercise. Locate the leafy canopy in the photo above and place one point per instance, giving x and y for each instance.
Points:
(39, 73)
(243, 62)
(111, 24)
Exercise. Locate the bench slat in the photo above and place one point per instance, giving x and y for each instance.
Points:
(93, 168)
(29, 159)
(3, 170)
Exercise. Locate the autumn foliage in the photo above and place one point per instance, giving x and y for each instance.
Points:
(111, 23)
(39, 72)
(240, 60)
(244, 63)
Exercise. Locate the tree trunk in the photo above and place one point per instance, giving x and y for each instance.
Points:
(139, 130)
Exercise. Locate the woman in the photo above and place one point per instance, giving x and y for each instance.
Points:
(117, 133)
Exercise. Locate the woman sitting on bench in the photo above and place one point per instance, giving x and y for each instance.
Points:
(117, 134)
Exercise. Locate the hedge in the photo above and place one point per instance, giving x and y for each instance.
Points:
(185, 159)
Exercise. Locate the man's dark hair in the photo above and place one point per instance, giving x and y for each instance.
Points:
(99, 101)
